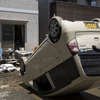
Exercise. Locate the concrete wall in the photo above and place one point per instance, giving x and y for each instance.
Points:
(20, 4)
(0, 36)
(52, 1)
(22, 12)
(82, 2)
(98, 3)
(44, 16)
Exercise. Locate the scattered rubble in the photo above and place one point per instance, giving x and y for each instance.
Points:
(10, 59)
(9, 82)
(4, 94)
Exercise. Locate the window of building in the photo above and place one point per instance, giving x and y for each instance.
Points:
(73, 1)
(13, 36)
(91, 2)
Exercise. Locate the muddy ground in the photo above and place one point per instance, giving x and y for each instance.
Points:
(13, 79)
(12, 88)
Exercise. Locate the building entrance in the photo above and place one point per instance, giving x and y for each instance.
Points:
(13, 36)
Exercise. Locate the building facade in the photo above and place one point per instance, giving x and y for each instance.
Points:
(83, 2)
(18, 24)
(24, 23)
(75, 11)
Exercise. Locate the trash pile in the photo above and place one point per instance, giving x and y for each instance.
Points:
(10, 58)
(7, 68)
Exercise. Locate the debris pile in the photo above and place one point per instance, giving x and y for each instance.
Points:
(10, 59)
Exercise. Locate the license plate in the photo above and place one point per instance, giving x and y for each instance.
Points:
(91, 25)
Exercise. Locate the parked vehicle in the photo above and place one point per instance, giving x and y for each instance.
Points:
(67, 61)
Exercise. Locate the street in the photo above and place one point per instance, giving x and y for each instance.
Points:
(12, 88)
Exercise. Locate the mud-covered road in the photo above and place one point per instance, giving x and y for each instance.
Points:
(12, 88)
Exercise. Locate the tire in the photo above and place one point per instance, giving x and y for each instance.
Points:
(22, 65)
(55, 29)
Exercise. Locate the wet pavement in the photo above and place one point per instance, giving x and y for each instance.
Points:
(24, 93)
(12, 88)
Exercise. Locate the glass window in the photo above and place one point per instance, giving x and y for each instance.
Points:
(72, 1)
(13, 36)
(91, 2)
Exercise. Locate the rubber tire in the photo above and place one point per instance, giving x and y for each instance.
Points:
(22, 65)
(55, 29)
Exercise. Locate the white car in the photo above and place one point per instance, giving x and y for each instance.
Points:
(67, 61)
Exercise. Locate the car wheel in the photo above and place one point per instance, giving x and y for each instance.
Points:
(55, 29)
(22, 65)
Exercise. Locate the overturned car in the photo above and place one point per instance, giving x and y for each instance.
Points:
(67, 61)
